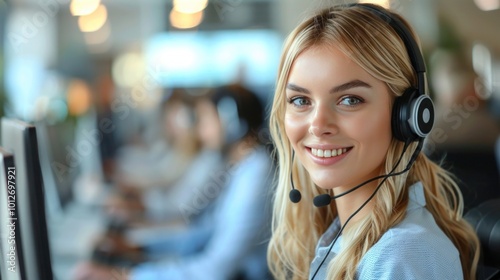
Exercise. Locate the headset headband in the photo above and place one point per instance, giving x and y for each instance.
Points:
(404, 33)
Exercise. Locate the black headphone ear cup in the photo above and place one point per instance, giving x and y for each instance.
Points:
(401, 129)
(412, 116)
(421, 118)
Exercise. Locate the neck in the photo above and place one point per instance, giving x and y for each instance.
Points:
(350, 203)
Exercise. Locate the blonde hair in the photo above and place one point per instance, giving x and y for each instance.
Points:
(370, 42)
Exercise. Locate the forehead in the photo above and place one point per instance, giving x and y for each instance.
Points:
(319, 53)
(324, 62)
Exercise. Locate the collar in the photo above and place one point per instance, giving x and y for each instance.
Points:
(416, 200)
(416, 196)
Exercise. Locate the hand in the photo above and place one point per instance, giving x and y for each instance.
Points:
(92, 271)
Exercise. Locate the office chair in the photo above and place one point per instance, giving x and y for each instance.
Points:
(485, 219)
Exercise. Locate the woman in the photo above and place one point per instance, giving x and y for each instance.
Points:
(141, 180)
(342, 74)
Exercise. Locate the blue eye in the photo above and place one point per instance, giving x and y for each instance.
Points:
(350, 101)
(298, 101)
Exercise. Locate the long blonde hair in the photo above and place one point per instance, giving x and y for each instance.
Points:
(370, 42)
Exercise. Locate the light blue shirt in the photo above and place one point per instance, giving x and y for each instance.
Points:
(416, 248)
(240, 223)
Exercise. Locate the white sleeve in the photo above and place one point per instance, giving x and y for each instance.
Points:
(411, 255)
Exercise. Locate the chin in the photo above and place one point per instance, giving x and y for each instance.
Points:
(326, 184)
(326, 178)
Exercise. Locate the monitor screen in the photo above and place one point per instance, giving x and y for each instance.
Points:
(212, 58)
(58, 176)
(20, 139)
(11, 265)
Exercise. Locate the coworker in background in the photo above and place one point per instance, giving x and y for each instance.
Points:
(230, 240)
(182, 201)
(465, 130)
(174, 203)
(139, 175)
(180, 146)
(339, 120)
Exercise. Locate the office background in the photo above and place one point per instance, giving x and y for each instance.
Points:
(92, 73)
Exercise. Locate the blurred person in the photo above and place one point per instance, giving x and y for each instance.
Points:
(151, 170)
(465, 130)
(368, 203)
(174, 152)
(206, 169)
(229, 239)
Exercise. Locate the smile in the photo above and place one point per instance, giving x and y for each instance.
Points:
(329, 153)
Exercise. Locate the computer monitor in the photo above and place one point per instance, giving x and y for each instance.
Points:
(11, 258)
(20, 139)
(57, 186)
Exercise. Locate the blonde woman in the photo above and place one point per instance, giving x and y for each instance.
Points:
(348, 120)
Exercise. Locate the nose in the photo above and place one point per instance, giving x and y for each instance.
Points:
(323, 121)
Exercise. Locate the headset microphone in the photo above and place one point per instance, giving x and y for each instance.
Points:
(295, 194)
(325, 199)
(322, 200)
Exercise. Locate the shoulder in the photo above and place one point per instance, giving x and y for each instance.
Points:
(414, 249)
(254, 170)
(257, 162)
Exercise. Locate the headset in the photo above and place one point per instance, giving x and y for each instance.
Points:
(411, 121)
(234, 126)
(412, 113)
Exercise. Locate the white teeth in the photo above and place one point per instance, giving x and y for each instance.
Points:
(328, 153)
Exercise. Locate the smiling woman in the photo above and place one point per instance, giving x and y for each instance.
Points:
(349, 107)
(337, 108)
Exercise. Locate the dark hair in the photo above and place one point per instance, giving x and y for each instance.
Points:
(240, 110)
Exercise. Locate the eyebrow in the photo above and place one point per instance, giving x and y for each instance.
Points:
(342, 87)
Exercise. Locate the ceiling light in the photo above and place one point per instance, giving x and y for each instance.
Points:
(487, 5)
(184, 21)
(93, 21)
(190, 6)
(383, 3)
(83, 7)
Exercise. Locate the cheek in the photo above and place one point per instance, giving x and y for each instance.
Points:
(295, 129)
(375, 135)
(373, 122)
(375, 129)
